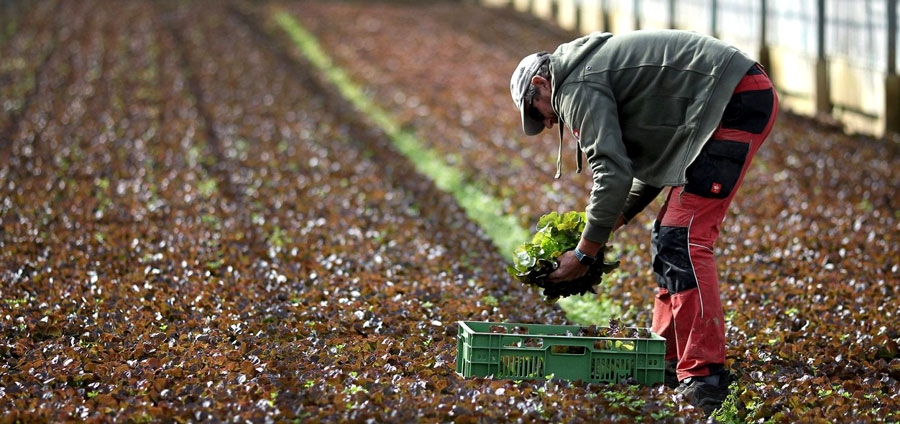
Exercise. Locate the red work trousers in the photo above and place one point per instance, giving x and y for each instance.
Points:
(688, 309)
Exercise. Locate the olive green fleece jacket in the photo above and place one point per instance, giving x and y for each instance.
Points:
(641, 106)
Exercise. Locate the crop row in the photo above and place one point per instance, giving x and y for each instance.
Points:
(808, 251)
(195, 226)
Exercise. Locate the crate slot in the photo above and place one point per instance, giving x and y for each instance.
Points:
(525, 342)
(521, 367)
(518, 329)
(568, 350)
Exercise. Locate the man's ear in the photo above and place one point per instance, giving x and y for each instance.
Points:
(539, 81)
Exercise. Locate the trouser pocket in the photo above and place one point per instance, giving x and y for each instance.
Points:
(716, 171)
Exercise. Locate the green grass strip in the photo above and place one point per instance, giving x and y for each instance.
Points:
(504, 231)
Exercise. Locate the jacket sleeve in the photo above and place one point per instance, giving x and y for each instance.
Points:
(590, 112)
(639, 197)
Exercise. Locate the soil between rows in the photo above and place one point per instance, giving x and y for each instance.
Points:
(196, 227)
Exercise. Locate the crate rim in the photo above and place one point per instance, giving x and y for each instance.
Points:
(464, 324)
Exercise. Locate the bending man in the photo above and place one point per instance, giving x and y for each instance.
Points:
(649, 110)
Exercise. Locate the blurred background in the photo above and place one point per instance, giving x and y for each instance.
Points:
(835, 60)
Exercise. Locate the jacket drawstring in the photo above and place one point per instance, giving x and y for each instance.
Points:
(578, 154)
(559, 154)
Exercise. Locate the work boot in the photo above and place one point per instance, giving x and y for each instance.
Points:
(706, 393)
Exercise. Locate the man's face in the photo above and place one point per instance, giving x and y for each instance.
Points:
(540, 108)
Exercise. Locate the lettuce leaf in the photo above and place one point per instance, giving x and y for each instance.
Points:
(554, 235)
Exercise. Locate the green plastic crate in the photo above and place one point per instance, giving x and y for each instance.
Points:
(535, 351)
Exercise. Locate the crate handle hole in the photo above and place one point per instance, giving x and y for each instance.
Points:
(498, 329)
(567, 350)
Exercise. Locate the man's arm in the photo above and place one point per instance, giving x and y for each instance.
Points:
(590, 111)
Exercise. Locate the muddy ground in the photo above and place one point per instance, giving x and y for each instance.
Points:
(195, 226)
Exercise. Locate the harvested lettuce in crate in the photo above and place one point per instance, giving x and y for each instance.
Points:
(533, 261)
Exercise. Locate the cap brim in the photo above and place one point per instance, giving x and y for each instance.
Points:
(530, 126)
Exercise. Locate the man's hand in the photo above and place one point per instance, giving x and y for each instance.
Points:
(569, 268)
(571, 277)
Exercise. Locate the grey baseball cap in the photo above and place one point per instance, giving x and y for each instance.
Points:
(518, 87)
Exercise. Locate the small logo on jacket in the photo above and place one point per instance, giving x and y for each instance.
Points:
(576, 134)
(716, 188)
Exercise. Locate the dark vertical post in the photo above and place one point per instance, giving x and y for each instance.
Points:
(636, 11)
(579, 22)
(823, 98)
(892, 37)
(764, 58)
(714, 18)
(892, 80)
(607, 22)
(672, 23)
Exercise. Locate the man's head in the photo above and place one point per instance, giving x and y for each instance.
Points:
(523, 91)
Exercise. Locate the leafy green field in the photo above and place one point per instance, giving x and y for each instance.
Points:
(278, 211)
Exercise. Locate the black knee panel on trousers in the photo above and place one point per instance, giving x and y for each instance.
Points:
(672, 261)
